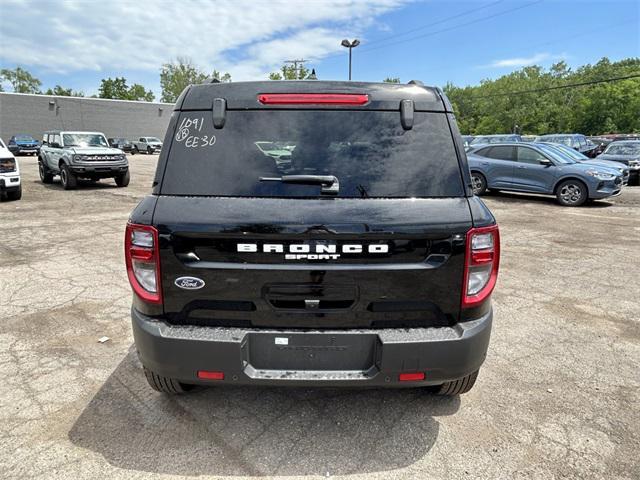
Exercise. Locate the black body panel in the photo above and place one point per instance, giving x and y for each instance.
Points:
(416, 282)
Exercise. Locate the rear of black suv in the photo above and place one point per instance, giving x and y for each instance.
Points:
(312, 233)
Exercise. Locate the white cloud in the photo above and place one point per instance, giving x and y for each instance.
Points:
(523, 61)
(246, 38)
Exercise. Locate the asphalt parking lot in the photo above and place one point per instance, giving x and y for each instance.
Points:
(558, 396)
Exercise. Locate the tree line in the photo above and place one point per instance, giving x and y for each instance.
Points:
(531, 100)
(534, 100)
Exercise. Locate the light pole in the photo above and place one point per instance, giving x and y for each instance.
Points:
(350, 45)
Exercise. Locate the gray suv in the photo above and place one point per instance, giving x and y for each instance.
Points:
(74, 155)
(540, 168)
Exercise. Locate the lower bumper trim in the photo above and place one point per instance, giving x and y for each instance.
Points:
(315, 356)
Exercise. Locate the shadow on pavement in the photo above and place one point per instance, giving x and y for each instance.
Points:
(513, 197)
(105, 183)
(257, 431)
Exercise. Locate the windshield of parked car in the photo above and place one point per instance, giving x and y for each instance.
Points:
(623, 149)
(267, 146)
(577, 156)
(494, 139)
(24, 138)
(84, 140)
(557, 154)
(369, 153)
(560, 139)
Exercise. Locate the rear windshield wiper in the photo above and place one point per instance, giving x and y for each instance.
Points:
(329, 183)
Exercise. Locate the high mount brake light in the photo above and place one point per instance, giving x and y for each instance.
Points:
(143, 262)
(481, 263)
(313, 98)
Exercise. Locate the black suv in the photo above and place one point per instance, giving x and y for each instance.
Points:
(364, 260)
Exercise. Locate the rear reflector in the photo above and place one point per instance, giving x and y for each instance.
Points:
(313, 98)
(411, 377)
(207, 375)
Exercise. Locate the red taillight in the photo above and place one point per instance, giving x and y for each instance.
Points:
(207, 375)
(481, 265)
(411, 377)
(143, 262)
(313, 98)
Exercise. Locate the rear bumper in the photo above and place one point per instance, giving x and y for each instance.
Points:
(313, 358)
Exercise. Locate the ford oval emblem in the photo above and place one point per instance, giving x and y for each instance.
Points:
(189, 283)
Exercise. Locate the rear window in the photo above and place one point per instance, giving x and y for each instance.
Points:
(369, 153)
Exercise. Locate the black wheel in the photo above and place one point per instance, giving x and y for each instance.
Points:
(15, 194)
(164, 384)
(123, 180)
(69, 180)
(478, 183)
(45, 175)
(134, 150)
(458, 387)
(149, 151)
(572, 193)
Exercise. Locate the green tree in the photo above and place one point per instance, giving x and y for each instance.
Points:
(222, 77)
(21, 80)
(179, 74)
(118, 89)
(290, 72)
(392, 80)
(63, 92)
(138, 92)
(114, 88)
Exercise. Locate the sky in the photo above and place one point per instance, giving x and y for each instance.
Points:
(77, 43)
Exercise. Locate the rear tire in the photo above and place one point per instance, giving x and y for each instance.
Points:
(123, 180)
(458, 387)
(45, 174)
(478, 183)
(164, 384)
(15, 194)
(572, 193)
(68, 179)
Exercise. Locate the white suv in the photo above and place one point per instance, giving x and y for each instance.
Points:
(9, 174)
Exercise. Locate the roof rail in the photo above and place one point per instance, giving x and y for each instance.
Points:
(416, 82)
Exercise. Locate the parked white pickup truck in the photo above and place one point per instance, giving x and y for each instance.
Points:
(9, 174)
(147, 145)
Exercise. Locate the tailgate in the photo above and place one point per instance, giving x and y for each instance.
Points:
(299, 263)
